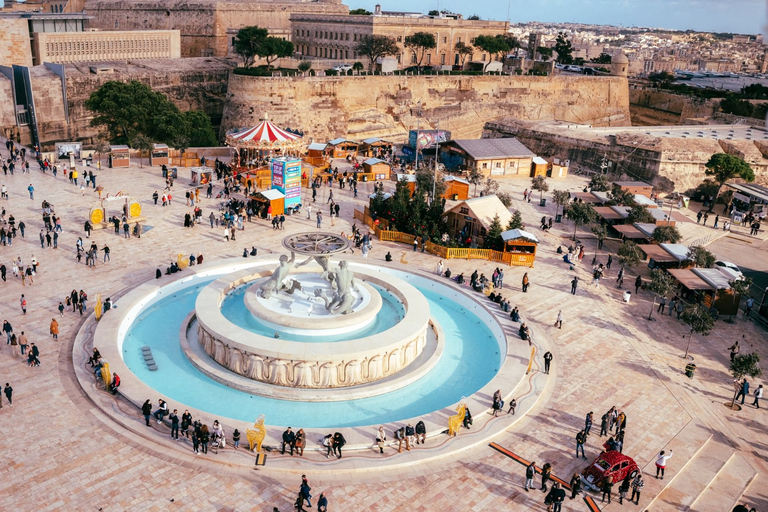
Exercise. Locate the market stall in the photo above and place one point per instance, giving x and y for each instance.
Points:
(273, 198)
(160, 155)
(119, 156)
(521, 245)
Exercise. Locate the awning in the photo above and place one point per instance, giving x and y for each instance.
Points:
(688, 279)
(517, 234)
(272, 194)
(608, 213)
(317, 146)
(587, 197)
(658, 254)
(630, 232)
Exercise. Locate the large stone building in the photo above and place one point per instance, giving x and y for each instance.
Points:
(336, 37)
(206, 26)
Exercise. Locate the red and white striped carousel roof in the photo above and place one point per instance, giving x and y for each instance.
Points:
(264, 132)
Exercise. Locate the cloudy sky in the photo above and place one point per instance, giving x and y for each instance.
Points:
(741, 16)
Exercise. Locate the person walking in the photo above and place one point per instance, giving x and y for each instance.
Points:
(575, 485)
(319, 219)
(608, 263)
(620, 278)
(559, 321)
(526, 282)
(743, 391)
(546, 475)
(662, 303)
(661, 462)
(146, 410)
(558, 497)
(547, 361)
(574, 285)
(322, 501)
(637, 486)
(758, 396)
(607, 488)
(734, 350)
(638, 284)
(8, 394)
(581, 438)
(530, 472)
(624, 489)
(54, 329)
(588, 422)
(174, 417)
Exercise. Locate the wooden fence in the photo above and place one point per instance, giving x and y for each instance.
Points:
(448, 253)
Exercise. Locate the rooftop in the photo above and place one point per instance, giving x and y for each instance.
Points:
(483, 149)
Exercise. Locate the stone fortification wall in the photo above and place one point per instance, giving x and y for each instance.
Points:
(388, 106)
(203, 23)
(671, 164)
(650, 107)
(15, 47)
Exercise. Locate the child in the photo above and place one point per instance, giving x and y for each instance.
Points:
(236, 438)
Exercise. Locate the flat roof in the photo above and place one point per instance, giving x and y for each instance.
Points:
(272, 194)
(587, 197)
(632, 184)
(714, 277)
(645, 201)
(709, 131)
(645, 227)
(750, 189)
(483, 149)
(455, 178)
(679, 251)
(608, 213)
(374, 161)
(317, 146)
(657, 253)
(630, 231)
(689, 279)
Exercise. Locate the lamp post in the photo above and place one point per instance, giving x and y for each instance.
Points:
(437, 149)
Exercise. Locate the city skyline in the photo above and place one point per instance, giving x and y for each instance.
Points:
(702, 15)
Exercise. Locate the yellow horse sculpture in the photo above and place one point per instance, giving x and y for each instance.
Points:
(455, 421)
(257, 434)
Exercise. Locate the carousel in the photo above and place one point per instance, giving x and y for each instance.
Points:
(256, 145)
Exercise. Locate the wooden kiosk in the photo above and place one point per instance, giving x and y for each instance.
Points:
(119, 156)
(521, 245)
(341, 147)
(377, 169)
(160, 155)
(273, 198)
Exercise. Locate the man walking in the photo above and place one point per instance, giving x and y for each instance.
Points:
(638, 284)
(758, 396)
(9, 393)
(31, 191)
(581, 438)
(319, 219)
(574, 285)
(588, 422)
(575, 485)
(637, 486)
(743, 391)
(734, 350)
(530, 472)
(547, 361)
(559, 321)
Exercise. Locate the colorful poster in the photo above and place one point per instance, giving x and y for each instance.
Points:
(286, 177)
(277, 173)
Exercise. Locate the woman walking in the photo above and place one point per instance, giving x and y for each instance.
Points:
(526, 282)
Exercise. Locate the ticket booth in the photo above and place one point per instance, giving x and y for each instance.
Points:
(159, 155)
(119, 156)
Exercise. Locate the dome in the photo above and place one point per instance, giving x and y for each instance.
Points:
(620, 58)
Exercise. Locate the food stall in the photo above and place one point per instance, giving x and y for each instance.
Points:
(341, 147)
(273, 198)
(160, 155)
(521, 245)
(119, 156)
(456, 189)
(375, 169)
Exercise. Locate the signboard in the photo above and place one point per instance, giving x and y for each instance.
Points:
(427, 138)
(66, 149)
(741, 197)
(286, 177)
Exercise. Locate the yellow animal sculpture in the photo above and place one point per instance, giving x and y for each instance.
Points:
(97, 308)
(257, 434)
(455, 421)
(182, 261)
(106, 375)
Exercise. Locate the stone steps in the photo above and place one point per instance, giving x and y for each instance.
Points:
(727, 487)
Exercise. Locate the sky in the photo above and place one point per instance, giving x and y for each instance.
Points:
(739, 16)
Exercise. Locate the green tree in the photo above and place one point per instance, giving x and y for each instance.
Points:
(505, 198)
(380, 206)
(358, 66)
(699, 320)
(375, 47)
(473, 17)
(420, 43)
(604, 58)
(744, 365)
(475, 176)
(425, 182)
(400, 207)
(540, 183)
(564, 49)
(640, 214)
(738, 107)
(180, 142)
(599, 183)
(561, 198)
(142, 144)
(273, 48)
(660, 285)
(723, 167)
(662, 79)
(699, 256)
(464, 50)
(198, 129)
(492, 238)
(739, 289)
(305, 66)
(666, 235)
(498, 45)
(620, 197)
(516, 222)
(360, 12)
(580, 213)
(545, 52)
(101, 147)
(629, 254)
(247, 43)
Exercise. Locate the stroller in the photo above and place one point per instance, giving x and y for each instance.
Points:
(218, 440)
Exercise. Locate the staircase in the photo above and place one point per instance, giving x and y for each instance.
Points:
(701, 476)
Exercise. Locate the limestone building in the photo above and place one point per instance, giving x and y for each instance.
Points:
(336, 37)
(206, 26)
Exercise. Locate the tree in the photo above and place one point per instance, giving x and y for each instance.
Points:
(580, 213)
(199, 130)
(492, 238)
(358, 66)
(464, 50)
(739, 288)
(744, 365)
(660, 285)
(666, 235)
(400, 207)
(604, 58)
(545, 52)
(425, 182)
(620, 197)
(305, 66)
(141, 143)
(360, 12)
(496, 45)
(505, 198)
(540, 183)
(698, 319)
(473, 17)
(247, 42)
(375, 47)
(723, 167)
(101, 146)
(640, 214)
(699, 256)
(516, 222)
(273, 48)
(661, 79)
(564, 49)
(491, 186)
(561, 198)
(599, 183)
(475, 177)
(629, 254)
(419, 43)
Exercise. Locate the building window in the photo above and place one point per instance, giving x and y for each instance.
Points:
(472, 41)
(483, 58)
(458, 39)
(346, 54)
(485, 165)
(429, 59)
(399, 39)
(445, 40)
(464, 210)
(413, 58)
(498, 165)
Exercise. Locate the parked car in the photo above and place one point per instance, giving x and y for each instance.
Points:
(609, 463)
(343, 68)
(730, 266)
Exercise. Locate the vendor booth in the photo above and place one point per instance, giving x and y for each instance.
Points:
(456, 189)
(709, 287)
(316, 154)
(160, 155)
(521, 245)
(119, 156)
(375, 147)
(340, 148)
(201, 175)
(273, 198)
(378, 169)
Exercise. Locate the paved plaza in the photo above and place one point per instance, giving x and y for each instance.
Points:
(62, 451)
